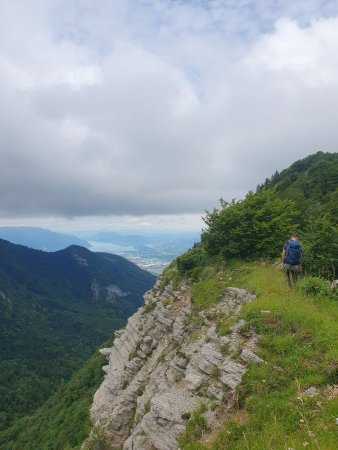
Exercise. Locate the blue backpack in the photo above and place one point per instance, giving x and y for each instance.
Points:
(293, 253)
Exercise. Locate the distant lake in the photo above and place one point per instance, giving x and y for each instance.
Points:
(110, 248)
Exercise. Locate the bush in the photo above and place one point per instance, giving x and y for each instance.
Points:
(191, 259)
(253, 228)
(314, 286)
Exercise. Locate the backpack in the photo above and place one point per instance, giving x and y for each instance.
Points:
(293, 253)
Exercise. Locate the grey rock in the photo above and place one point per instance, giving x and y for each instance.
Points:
(178, 329)
(158, 372)
(180, 362)
(105, 368)
(193, 381)
(211, 333)
(215, 391)
(232, 373)
(105, 351)
(249, 356)
(311, 391)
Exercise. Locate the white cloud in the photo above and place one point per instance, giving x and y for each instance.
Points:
(141, 108)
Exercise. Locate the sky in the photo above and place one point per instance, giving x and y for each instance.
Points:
(143, 113)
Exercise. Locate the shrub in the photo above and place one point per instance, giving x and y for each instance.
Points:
(252, 228)
(314, 286)
(191, 259)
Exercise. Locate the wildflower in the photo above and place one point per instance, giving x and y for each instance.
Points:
(305, 444)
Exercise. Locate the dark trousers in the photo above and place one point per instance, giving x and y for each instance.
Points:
(292, 273)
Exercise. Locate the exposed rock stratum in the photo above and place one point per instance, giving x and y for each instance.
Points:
(165, 364)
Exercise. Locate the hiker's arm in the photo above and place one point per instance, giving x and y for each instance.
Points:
(283, 254)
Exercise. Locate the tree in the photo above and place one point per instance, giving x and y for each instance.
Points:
(255, 227)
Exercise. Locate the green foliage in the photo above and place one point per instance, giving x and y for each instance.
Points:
(303, 197)
(249, 229)
(63, 421)
(314, 286)
(147, 406)
(196, 427)
(193, 319)
(224, 324)
(321, 246)
(170, 275)
(148, 308)
(191, 259)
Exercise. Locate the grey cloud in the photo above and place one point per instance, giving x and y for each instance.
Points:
(158, 128)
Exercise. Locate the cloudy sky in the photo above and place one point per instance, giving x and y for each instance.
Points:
(143, 113)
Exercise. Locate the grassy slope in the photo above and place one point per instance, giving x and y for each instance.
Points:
(63, 421)
(299, 345)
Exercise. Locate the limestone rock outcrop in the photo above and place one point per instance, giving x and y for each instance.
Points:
(163, 366)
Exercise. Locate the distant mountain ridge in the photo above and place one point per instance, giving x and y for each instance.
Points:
(40, 238)
(55, 309)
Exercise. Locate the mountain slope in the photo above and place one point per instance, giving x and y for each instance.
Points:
(68, 406)
(40, 238)
(55, 309)
(206, 365)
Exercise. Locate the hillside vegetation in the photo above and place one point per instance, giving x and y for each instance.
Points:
(298, 328)
(55, 309)
(63, 420)
(303, 197)
(298, 342)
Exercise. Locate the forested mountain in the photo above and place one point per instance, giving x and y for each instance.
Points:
(40, 238)
(62, 422)
(303, 197)
(55, 309)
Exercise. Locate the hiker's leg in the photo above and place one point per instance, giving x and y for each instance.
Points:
(294, 276)
(287, 273)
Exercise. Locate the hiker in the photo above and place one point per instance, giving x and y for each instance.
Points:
(292, 256)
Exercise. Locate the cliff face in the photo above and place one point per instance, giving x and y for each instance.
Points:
(165, 365)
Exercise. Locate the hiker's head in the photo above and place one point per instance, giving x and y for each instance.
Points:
(294, 235)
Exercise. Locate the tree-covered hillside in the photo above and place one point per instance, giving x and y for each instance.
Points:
(303, 197)
(62, 422)
(55, 309)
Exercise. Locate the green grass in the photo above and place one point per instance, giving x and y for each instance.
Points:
(224, 323)
(208, 290)
(196, 427)
(170, 274)
(299, 346)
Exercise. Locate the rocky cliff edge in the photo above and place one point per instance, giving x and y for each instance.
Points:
(165, 364)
